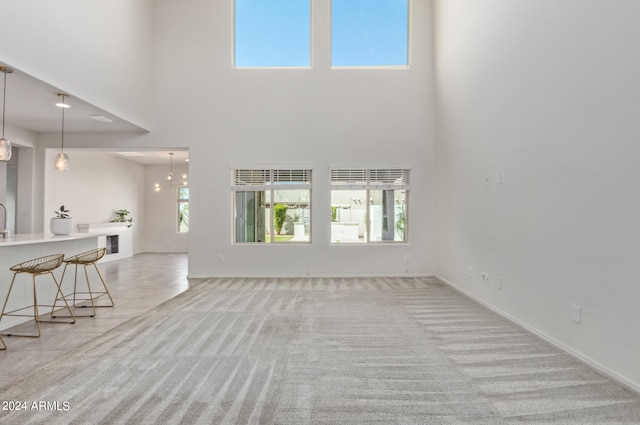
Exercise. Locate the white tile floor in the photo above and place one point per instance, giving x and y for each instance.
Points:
(136, 284)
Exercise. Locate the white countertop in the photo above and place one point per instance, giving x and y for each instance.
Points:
(32, 238)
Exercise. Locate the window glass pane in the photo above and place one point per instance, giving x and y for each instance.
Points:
(272, 33)
(291, 216)
(369, 32)
(183, 209)
(249, 216)
(183, 217)
(348, 216)
(388, 215)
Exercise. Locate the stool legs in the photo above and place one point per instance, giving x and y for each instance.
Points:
(3, 346)
(92, 293)
(36, 312)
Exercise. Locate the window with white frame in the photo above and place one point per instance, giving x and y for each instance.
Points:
(183, 209)
(271, 205)
(369, 33)
(272, 33)
(369, 205)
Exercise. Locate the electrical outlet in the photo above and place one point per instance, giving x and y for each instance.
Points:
(485, 278)
(220, 258)
(499, 178)
(487, 180)
(499, 283)
(577, 314)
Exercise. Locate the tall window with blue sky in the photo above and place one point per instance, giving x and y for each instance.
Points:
(369, 32)
(272, 33)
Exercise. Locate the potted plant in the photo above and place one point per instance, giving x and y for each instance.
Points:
(61, 224)
(122, 216)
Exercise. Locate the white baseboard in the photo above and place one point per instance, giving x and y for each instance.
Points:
(289, 276)
(634, 386)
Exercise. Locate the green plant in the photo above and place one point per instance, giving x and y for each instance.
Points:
(62, 213)
(121, 217)
(401, 221)
(279, 216)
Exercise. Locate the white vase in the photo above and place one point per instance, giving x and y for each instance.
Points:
(61, 226)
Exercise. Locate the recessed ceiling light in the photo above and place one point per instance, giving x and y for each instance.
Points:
(100, 118)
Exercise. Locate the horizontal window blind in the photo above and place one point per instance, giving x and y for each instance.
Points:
(263, 178)
(370, 178)
(292, 176)
(251, 177)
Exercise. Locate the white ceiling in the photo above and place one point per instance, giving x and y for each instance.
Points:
(30, 104)
(154, 157)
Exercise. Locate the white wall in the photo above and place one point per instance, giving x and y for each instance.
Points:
(95, 185)
(316, 117)
(94, 50)
(161, 218)
(546, 92)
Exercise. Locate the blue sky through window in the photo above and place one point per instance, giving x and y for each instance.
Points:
(272, 33)
(369, 32)
(277, 33)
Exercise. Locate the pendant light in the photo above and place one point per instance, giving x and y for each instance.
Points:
(62, 159)
(170, 178)
(5, 144)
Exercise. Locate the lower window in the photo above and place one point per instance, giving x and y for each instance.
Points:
(369, 205)
(272, 206)
(183, 209)
(385, 210)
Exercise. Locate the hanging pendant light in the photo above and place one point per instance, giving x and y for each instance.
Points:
(170, 178)
(62, 159)
(5, 144)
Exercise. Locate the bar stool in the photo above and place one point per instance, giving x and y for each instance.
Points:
(36, 267)
(85, 259)
(4, 346)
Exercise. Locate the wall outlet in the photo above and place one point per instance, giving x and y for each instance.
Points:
(577, 314)
(499, 283)
(220, 258)
(485, 278)
(499, 178)
(487, 180)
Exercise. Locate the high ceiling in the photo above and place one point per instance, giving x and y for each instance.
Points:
(30, 104)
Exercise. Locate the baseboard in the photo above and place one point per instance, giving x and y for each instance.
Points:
(633, 386)
(307, 276)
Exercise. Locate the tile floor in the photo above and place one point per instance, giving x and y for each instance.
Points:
(137, 284)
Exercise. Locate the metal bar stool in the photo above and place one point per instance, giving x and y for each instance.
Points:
(4, 346)
(85, 259)
(36, 267)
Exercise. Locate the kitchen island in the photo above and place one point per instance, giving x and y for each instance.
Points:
(22, 247)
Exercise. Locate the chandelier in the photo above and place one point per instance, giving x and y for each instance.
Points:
(171, 180)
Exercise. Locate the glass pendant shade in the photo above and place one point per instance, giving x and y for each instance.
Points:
(5, 149)
(62, 161)
(5, 144)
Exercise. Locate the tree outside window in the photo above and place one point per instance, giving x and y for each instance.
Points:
(183, 209)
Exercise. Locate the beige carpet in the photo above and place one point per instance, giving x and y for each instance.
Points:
(319, 351)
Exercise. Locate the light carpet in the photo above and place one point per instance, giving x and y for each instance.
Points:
(319, 351)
